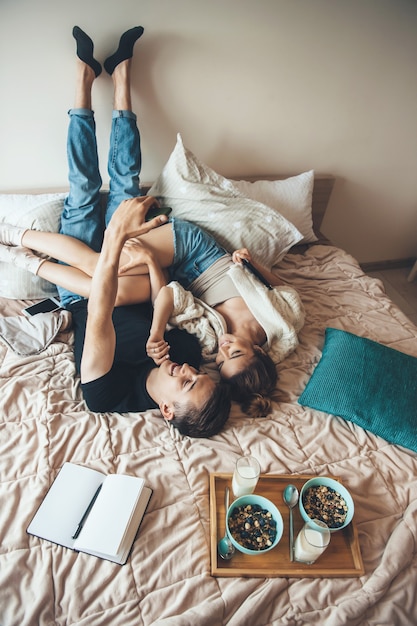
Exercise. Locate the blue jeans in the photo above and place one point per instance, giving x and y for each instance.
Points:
(83, 216)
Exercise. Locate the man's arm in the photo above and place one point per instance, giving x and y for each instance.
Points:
(100, 338)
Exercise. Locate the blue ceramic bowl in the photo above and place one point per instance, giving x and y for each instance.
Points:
(333, 484)
(265, 505)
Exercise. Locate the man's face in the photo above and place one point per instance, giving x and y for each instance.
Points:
(184, 384)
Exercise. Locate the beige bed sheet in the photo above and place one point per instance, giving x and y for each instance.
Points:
(166, 582)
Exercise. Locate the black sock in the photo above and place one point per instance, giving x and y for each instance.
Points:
(85, 48)
(125, 49)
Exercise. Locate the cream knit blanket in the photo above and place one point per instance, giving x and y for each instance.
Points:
(279, 311)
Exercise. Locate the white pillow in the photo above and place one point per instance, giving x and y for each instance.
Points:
(38, 211)
(198, 194)
(292, 197)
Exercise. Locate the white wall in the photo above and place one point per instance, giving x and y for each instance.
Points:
(254, 86)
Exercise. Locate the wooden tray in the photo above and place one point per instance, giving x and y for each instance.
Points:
(342, 559)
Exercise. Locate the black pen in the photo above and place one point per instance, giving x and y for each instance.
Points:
(87, 513)
(256, 273)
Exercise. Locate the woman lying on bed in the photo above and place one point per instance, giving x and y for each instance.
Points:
(249, 314)
(258, 325)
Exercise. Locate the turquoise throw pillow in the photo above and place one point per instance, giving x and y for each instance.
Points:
(366, 383)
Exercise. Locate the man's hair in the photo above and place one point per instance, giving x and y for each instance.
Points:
(205, 421)
(250, 386)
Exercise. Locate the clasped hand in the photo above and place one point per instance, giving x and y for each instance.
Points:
(135, 253)
(157, 349)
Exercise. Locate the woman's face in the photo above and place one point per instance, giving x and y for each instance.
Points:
(235, 354)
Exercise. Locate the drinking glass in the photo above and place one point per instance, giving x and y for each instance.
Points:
(311, 542)
(245, 476)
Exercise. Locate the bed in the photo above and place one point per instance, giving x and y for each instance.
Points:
(168, 578)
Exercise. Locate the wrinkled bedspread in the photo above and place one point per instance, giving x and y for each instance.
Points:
(167, 581)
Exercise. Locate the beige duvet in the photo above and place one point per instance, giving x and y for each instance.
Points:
(166, 581)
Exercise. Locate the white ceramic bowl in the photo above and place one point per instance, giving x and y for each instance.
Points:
(333, 484)
(264, 504)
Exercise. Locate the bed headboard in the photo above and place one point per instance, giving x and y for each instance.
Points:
(323, 187)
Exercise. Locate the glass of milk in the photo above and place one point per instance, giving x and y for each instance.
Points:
(245, 476)
(311, 542)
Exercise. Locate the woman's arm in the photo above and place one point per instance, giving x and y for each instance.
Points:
(156, 346)
(147, 262)
(244, 253)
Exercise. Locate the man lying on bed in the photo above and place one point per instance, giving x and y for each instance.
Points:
(248, 319)
(116, 373)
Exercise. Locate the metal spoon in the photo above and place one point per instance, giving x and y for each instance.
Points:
(225, 547)
(290, 496)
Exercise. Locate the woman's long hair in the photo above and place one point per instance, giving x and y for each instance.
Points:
(252, 386)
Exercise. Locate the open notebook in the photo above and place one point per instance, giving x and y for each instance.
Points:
(87, 511)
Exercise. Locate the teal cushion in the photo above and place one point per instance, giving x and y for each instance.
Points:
(366, 383)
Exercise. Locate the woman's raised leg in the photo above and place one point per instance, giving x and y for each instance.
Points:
(125, 160)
